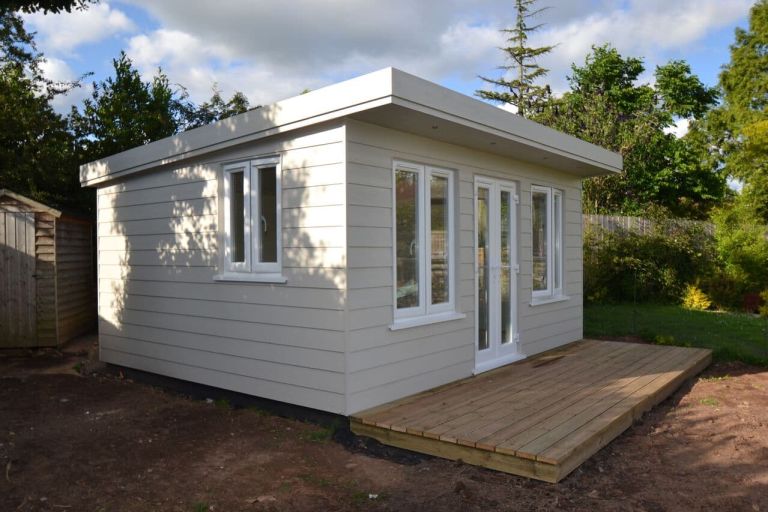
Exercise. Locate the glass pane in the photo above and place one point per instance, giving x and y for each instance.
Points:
(557, 230)
(438, 187)
(237, 216)
(407, 238)
(506, 271)
(268, 215)
(483, 269)
(540, 234)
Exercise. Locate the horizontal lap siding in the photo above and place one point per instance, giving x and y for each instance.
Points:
(384, 365)
(161, 310)
(75, 280)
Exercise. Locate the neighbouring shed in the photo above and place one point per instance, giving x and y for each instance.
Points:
(47, 275)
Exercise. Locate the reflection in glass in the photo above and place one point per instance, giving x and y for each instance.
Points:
(506, 270)
(557, 227)
(483, 269)
(440, 243)
(540, 234)
(268, 214)
(237, 216)
(407, 238)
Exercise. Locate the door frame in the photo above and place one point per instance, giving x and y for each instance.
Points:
(500, 355)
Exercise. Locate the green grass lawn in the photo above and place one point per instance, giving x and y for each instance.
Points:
(731, 336)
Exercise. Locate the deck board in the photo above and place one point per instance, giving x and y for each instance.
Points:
(541, 417)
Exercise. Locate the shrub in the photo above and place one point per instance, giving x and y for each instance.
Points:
(764, 307)
(694, 298)
(623, 265)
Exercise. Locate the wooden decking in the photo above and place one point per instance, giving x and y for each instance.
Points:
(541, 417)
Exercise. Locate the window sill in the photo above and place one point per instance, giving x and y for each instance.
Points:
(548, 300)
(406, 323)
(250, 277)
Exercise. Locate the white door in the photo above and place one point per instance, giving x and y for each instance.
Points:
(495, 273)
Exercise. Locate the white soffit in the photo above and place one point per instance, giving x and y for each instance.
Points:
(388, 97)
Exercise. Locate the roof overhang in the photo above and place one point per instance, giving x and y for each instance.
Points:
(31, 203)
(390, 98)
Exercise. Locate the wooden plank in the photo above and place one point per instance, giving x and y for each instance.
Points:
(497, 384)
(536, 440)
(544, 400)
(494, 406)
(602, 430)
(4, 281)
(410, 408)
(492, 460)
(29, 275)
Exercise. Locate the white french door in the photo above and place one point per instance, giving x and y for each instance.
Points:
(496, 271)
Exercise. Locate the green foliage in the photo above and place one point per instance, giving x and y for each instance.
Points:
(46, 6)
(607, 106)
(521, 90)
(694, 298)
(710, 401)
(764, 306)
(37, 152)
(742, 245)
(624, 266)
(739, 127)
(124, 112)
(731, 336)
(216, 109)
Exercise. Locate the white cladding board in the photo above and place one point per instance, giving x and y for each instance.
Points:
(161, 311)
(383, 365)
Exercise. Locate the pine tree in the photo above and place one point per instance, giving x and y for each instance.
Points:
(520, 90)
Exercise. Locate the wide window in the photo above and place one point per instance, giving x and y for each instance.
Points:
(423, 219)
(252, 216)
(547, 231)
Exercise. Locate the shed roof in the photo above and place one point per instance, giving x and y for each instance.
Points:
(387, 97)
(31, 203)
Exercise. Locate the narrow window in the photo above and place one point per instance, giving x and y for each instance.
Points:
(252, 216)
(547, 242)
(237, 214)
(407, 238)
(423, 239)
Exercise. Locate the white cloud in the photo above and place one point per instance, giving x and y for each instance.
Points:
(680, 128)
(639, 28)
(63, 32)
(58, 70)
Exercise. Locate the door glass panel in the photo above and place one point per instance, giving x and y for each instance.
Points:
(439, 238)
(237, 216)
(483, 268)
(268, 215)
(540, 234)
(407, 238)
(505, 281)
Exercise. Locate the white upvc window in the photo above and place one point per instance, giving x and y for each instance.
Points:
(547, 234)
(252, 215)
(423, 245)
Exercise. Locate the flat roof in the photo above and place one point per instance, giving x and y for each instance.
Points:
(388, 97)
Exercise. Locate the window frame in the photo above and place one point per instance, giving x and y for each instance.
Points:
(251, 207)
(425, 310)
(555, 237)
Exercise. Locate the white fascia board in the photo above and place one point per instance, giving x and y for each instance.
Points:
(367, 92)
(338, 100)
(419, 94)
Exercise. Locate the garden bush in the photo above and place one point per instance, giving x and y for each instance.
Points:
(694, 298)
(626, 266)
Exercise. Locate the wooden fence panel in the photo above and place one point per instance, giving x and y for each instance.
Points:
(18, 294)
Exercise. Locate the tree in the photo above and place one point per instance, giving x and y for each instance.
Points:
(124, 112)
(37, 151)
(46, 6)
(606, 106)
(521, 90)
(739, 127)
(217, 109)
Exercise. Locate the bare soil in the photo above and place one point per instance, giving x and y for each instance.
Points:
(101, 443)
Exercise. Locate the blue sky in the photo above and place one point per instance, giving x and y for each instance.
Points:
(273, 49)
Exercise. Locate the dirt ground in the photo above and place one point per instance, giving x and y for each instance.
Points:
(101, 443)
